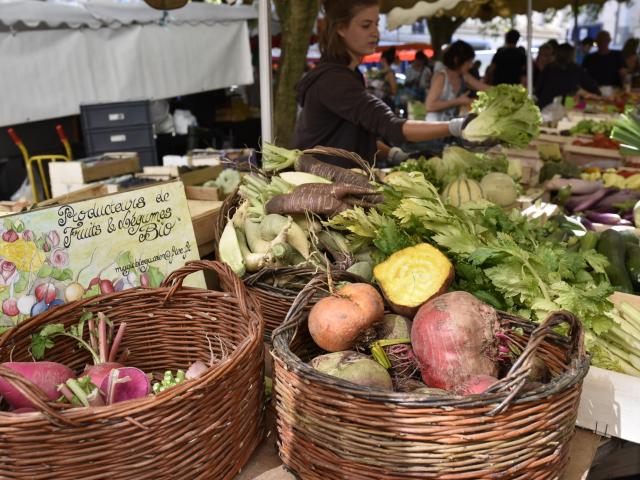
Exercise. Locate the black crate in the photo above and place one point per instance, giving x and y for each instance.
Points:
(119, 127)
(115, 115)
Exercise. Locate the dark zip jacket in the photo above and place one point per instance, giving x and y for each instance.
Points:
(338, 111)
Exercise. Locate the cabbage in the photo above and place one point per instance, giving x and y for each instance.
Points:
(506, 114)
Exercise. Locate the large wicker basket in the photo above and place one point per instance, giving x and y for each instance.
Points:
(202, 429)
(268, 284)
(329, 428)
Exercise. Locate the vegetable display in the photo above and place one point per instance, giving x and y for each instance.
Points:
(511, 262)
(505, 113)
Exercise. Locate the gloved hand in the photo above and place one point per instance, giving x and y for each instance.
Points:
(456, 128)
(396, 155)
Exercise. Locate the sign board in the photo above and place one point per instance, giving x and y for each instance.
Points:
(66, 252)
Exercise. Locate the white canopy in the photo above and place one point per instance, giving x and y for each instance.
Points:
(58, 56)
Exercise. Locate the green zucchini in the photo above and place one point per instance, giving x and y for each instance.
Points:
(612, 246)
(633, 265)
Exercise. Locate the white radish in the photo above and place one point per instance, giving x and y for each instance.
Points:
(26, 303)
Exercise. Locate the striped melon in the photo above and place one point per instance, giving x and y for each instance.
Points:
(462, 190)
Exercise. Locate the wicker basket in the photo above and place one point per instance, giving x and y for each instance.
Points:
(274, 300)
(329, 428)
(202, 429)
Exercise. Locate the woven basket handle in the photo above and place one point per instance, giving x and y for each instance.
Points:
(339, 152)
(35, 395)
(229, 281)
(517, 376)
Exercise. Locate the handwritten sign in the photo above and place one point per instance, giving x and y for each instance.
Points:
(66, 252)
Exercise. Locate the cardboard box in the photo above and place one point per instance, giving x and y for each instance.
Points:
(610, 401)
(85, 171)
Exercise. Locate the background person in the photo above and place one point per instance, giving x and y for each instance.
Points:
(605, 66)
(564, 77)
(509, 63)
(337, 111)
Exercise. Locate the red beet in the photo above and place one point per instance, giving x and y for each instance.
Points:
(475, 384)
(453, 338)
(46, 375)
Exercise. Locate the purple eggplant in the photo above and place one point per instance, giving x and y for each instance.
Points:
(588, 224)
(588, 201)
(621, 197)
(604, 218)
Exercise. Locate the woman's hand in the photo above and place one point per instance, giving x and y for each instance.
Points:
(464, 99)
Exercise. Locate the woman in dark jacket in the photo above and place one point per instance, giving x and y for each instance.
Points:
(564, 77)
(337, 111)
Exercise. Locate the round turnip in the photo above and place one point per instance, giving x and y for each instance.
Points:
(336, 322)
(355, 368)
(74, 291)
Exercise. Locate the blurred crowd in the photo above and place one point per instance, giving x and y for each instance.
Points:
(446, 87)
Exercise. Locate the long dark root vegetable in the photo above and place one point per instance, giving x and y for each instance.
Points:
(277, 158)
(322, 199)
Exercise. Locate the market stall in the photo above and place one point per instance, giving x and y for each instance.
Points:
(58, 56)
(452, 317)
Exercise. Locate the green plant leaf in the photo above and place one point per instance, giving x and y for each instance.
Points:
(21, 284)
(155, 277)
(92, 292)
(45, 271)
(124, 259)
(8, 224)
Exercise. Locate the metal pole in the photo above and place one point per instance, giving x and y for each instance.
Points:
(529, 47)
(264, 49)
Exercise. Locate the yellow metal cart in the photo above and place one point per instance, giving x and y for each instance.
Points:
(40, 161)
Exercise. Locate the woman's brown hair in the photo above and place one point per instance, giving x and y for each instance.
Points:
(338, 13)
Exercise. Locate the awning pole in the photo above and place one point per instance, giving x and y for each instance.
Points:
(529, 47)
(264, 49)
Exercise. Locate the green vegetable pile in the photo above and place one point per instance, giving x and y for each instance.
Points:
(626, 130)
(506, 114)
(591, 127)
(505, 259)
(456, 161)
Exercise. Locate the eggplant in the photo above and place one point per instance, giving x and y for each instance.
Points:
(604, 218)
(577, 185)
(588, 224)
(588, 201)
(608, 204)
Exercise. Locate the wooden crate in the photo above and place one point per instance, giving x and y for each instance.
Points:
(204, 207)
(79, 172)
(187, 175)
(610, 402)
(600, 157)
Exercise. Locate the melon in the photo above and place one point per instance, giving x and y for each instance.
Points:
(499, 188)
(462, 190)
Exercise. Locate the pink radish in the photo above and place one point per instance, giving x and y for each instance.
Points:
(100, 371)
(10, 307)
(46, 292)
(127, 383)
(46, 375)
